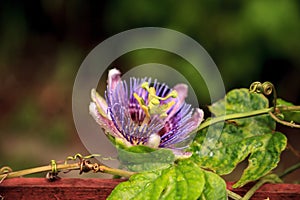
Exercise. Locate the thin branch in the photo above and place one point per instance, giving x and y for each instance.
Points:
(251, 114)
(293, 150)
(290, 170)
(233, 195)
(290, 124)
(288, 108)
(116, 172)
(46, 168)
(83, 166)
(271, 178)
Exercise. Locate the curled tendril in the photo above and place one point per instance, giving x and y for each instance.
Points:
(53, 166)
(86, 166)
(266, 88)
(80, 157)
(4, 170)
(53, 174)
(75, 157)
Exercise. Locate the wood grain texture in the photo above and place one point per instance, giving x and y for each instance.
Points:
(271, 191)
(65, 188)
(92, 188)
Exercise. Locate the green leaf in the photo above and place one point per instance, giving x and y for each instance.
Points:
(214, 187)
(222, 146)
(184, 180)
(263, 159)
(289, 115)
(142, 158)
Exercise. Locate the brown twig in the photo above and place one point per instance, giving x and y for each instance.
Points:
(293, 150)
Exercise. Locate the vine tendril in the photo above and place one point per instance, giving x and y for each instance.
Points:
(80, 157)
(81, 160)
(266, 88)
(53, 166)
(4, 171)
(290, 124)
(53, 174)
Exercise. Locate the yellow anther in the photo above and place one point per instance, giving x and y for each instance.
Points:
(172, 94)
(142, 104)
(154, 106)
(152, 92)
(145, 86)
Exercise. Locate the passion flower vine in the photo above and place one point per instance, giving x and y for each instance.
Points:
(148, 113)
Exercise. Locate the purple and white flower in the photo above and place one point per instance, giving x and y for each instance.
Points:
(146, 112)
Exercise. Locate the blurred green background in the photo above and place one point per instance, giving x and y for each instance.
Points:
(42, 44)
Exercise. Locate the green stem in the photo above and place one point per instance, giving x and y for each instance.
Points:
(38, 170)
(271, 178)
(251, 114)
(289, 108)
(74, 166)
(234, 116)
(233, 195)
(116, 172)
(290, 170)
(290, 124)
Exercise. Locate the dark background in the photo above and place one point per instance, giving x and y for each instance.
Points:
(42, 44)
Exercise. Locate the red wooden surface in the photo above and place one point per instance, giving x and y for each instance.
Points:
(271, 191)
(65, 188)
(75, 188)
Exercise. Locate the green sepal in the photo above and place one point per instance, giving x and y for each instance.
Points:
(143, 158)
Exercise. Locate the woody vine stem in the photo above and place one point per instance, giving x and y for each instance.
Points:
(6, 172)
(84, 165)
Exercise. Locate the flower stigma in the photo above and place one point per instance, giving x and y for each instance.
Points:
(155, 106)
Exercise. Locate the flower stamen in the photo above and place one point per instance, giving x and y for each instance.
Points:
(154, 106)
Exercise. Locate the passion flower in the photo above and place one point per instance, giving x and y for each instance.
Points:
(146, 112)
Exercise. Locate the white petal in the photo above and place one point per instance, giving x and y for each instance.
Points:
(94, 112)
(104, 123)
(197, 118)
(100, 102)
(182, 90)
(114, 77)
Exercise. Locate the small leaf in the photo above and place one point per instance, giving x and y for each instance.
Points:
(214, 187)
(184, 180)
(220, 148)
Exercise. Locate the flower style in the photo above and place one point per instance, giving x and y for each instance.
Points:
(146, 113)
